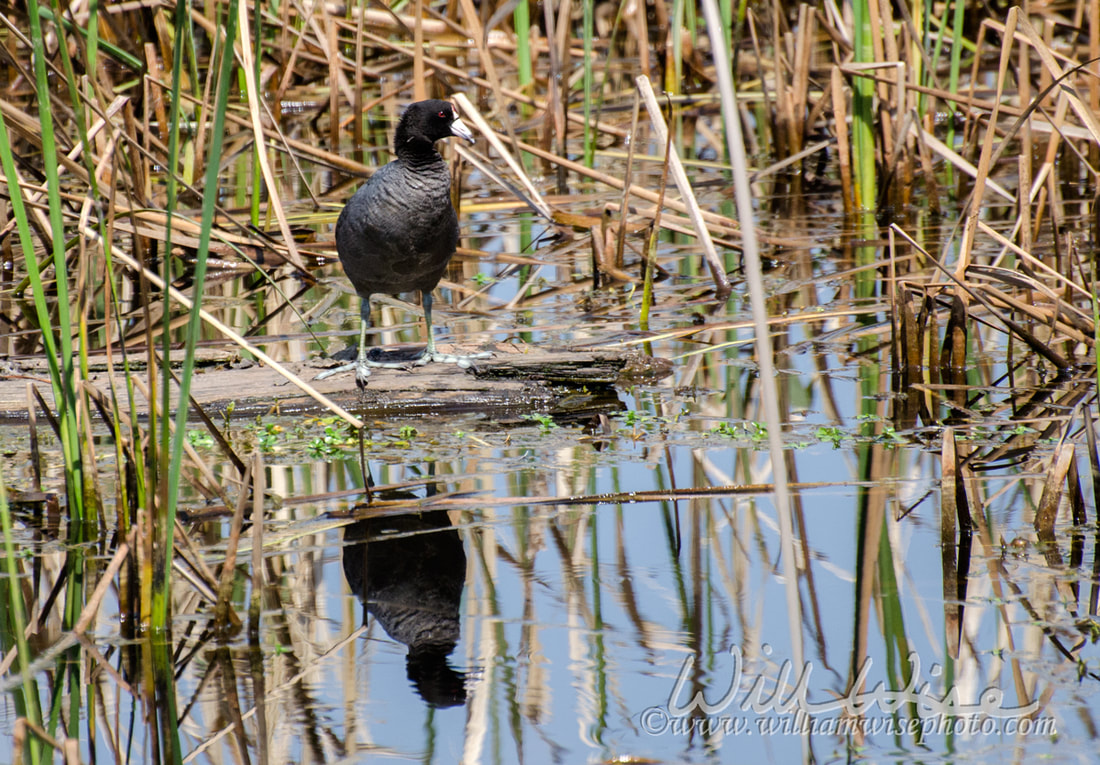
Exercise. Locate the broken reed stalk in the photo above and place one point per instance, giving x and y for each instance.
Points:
(226, 620)
(717, 268)
(255, 606)
(844, 152)
(956, 160)
(535, 199)
(720, 221)
(244, 344)
(255, 99)
(624, 205)
(12, 596)
(764, 350)
(588, 82)
(976, 196)
(651, 241)
(106, 580)
(39, 739)
(950, 487)
(957, 355)
(1051, 498)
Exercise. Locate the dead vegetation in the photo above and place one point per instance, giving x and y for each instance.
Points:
(130, 166)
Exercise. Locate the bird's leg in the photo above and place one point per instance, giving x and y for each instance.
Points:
(374, 357)
(368, 358)
(357, 366)
(430, 354)
(362, 367)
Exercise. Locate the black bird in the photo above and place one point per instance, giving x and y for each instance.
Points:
(399, 230)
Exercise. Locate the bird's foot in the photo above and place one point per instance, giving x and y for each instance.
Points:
(361, 369)
(336, 370)
(401, 358)
(463, 361)
(376, 358)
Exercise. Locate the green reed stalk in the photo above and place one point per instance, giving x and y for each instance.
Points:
(953, 76)
(62, 371)
(647, 280)
(876, 582)
(738, 31)
(601, 662)
(257, 147)
(893, 621)
(725, 9)
(166, 515)
(654, 231)
(13, 624)
(521, 21)
(59, 356)
(898, 666)
(674, 68)
(86, 300)
(937, 50)
(159, 423)
(92, 33)
(164, 683)
(919, 14)
(863, 115)
(589, 128)
(674, 75)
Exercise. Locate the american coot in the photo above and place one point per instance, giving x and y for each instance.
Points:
(399, 230)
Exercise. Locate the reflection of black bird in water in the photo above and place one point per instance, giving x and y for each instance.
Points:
(408, 571)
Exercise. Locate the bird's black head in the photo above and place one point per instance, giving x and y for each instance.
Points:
(425, 122)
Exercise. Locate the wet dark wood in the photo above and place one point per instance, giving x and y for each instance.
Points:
(515, 380)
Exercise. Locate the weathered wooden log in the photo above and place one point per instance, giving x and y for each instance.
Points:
(514, 380)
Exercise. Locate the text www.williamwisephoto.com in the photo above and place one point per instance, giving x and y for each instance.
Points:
(780, 705)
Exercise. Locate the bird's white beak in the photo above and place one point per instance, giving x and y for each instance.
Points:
(458, 128)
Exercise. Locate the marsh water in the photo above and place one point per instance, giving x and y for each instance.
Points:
(541, 589)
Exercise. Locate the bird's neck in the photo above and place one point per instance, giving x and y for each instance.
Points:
(417, 151)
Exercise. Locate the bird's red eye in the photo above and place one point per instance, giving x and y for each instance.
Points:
(443, 115)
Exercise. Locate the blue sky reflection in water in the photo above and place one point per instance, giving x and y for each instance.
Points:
(575, 620)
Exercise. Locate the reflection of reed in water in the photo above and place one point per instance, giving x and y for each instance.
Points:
(408, 571)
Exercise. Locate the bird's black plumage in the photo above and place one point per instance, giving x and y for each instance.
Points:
(399, 230)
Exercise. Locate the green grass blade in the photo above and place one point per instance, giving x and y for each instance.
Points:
(92, 33)
(863, 116)
(589, 129)
(15, 621)
(159, 424)
(953, 75)
(62, 371)
(521, 20)
(194, 324)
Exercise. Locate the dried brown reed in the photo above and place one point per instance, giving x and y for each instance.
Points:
(803, 73)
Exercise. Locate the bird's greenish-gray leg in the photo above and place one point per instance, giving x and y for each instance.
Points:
(430, 354)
